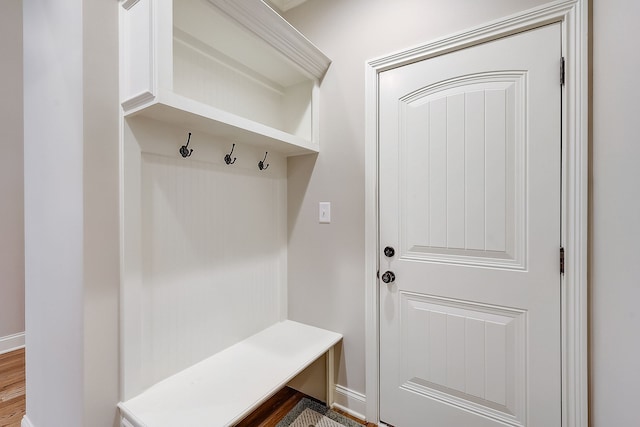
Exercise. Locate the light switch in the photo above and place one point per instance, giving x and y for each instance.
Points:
(324, 216)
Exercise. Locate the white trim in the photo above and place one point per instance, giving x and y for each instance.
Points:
(11, 342)
(285, 5)
(573, 14)
(140, 100)
(26, 422)
(125, 38)
(262, 20)
(128, 4)
(371, 326)
(350, 401)
(330, 380)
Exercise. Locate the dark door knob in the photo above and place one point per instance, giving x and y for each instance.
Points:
(388, 277)
(389, 252)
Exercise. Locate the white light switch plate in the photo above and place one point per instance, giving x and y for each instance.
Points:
(324, 215)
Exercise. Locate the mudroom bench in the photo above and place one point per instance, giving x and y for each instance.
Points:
(224, 388)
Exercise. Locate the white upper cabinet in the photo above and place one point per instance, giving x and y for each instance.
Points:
(231, 68)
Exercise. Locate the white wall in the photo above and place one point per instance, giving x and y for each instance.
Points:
(53, 210)
(11, 178)
(71, 211)
(326, 262)
(101, 268)
(615, 215)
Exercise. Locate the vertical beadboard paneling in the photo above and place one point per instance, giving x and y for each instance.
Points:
(417, 161)
(455, 172)
(463, 352)
(474, 171)
(438, 173)
(199, 74)
(495, 175)
(213, 247)
(462, 159)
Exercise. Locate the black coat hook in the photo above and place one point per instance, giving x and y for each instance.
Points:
(185, 151)
(227, 158)
(261, 164)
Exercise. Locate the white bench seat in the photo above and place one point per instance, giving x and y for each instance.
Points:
(226, 387)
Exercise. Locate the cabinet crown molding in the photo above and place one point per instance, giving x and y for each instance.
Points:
(260, 19)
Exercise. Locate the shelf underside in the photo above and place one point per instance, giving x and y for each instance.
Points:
(196, 116)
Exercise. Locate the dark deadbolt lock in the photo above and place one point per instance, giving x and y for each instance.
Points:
(388, 277)
(389, 252)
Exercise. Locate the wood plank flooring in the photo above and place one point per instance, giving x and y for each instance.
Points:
(273, 410)
(12, 388)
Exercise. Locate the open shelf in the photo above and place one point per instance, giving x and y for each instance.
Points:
(193, 115)
(234, 69)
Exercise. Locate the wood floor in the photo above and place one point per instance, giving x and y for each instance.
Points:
(12, 398)
(12, 388)
(274, 410)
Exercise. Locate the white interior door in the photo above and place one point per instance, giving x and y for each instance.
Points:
(469, 192)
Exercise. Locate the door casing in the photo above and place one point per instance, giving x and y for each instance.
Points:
(573, 16)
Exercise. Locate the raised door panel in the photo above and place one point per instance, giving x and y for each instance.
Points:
(467, 354)
(462, 147)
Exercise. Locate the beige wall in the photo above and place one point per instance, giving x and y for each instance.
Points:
(326, 262)
(11, 174)
(326, 276)
(615, 215)
(53, 211)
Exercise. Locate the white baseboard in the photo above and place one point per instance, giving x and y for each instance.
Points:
(11, 342)
(25, 422)
(349, 401)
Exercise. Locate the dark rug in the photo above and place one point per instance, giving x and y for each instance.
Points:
(309, 413)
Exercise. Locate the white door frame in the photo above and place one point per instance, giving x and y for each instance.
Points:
(573, 15)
